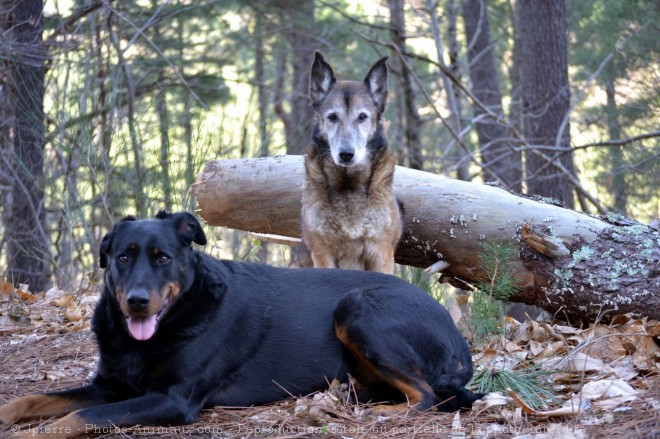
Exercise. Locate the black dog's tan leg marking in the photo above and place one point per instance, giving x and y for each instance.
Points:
(46, 406)
(34, 406)
(67, 427)
(404, 378)
(66, 402)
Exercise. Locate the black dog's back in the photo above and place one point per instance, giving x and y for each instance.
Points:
(298, 313)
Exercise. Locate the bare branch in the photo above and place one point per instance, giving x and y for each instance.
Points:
(621, 142)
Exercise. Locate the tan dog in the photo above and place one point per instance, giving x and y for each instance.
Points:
(350, 215)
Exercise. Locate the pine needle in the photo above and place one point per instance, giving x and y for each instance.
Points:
(525, 383)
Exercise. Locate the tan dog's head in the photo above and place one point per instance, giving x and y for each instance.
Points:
(348, 112)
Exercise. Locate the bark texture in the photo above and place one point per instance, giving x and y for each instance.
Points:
(28, 248)
(413, 123)
(545, 94)
(446, 222)
(501, 163)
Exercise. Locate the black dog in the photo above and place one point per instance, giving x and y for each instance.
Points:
(179, 331)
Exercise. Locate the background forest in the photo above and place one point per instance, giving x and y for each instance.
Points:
(109, 108)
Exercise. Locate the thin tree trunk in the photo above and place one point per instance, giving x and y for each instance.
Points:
(545, 94)
(163, 123)
(260, 79)
(188, 100)
(515, 107)
(500, 162)
(460, 156)
(617, 183)
(140, 194)
(298, 19)
(262, 98)
(413, 123)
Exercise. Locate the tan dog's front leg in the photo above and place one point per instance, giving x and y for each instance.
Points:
(322, 255)
(380, 257)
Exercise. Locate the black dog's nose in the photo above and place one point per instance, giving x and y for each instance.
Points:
(138, 300)
(346, 156)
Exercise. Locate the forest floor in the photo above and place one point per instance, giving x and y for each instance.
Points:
(605, 382)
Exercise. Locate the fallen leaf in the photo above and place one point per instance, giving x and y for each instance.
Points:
(610, 388)
(24, 295)
(580, 362)
(492, 399)
(6, 288)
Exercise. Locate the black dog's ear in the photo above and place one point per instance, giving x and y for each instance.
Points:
(190, 230)
(321, 80)
(376, 83)
(103, 251)
(107, 241)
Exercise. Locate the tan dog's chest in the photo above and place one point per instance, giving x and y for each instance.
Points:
(355, 219)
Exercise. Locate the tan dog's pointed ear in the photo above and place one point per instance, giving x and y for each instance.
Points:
(321, 80)
(386, 125)
(376, 83)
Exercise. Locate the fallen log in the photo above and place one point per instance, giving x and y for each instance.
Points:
(569, 262)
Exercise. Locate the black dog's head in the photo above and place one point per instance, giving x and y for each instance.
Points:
(147, 266)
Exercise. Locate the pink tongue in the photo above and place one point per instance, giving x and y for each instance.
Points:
(142, 328)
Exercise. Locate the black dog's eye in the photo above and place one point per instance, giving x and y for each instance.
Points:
(162, 260)
(122, 259)
(332, 117)
(362, 116)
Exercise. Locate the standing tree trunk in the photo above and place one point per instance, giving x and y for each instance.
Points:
(262, 99)
(413, 123)
(28, 249)
(260, 80)
(500, 162)
(163, 121)
(515, 106)
(453, 101)
(545, 95)
(298, 19)
(139, 177)
(616, 184)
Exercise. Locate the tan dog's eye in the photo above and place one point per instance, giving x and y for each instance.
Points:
(363, 117)
(332, 117)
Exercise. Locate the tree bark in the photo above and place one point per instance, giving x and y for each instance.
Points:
(545, 94)
(28, 249)
(298, 21)
(413, 123)
(616, 184)
(163, 121)
(445, 223)
(500, 161)
(453, 98)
